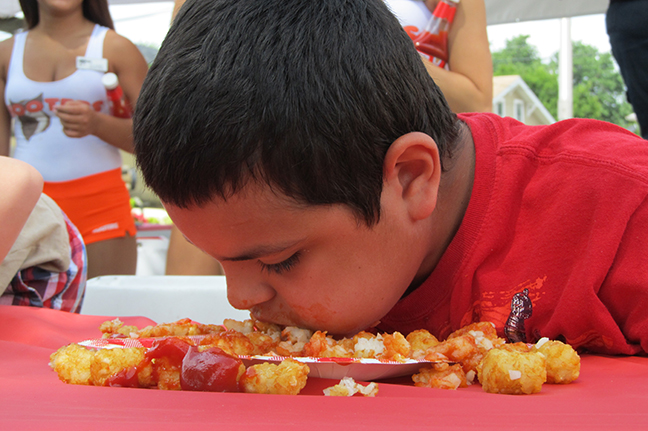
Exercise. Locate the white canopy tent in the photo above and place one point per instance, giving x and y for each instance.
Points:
(498, 11)
(505, 11)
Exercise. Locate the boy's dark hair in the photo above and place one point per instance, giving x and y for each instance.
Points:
(306, 96)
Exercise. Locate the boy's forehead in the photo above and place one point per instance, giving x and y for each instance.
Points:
(250, 196)
(258, 207)
(248, 228)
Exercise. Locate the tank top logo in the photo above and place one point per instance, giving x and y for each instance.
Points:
(33, 118)
(30, 115)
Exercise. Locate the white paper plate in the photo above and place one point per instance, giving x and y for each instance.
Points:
(324, 368)
(337, 368)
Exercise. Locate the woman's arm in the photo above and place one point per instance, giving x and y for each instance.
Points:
(5, 118)
(79, 119)
(468, 85)
(5, 125)
(21, 188)
(177, 4)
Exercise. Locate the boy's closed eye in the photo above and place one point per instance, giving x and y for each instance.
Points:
(283, 266)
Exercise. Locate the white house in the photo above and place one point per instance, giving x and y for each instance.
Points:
(512, 97)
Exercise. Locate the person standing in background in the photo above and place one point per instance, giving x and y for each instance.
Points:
(183, 258)
(626, 23)
(51, 84)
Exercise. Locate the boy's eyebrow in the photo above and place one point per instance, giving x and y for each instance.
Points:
(259, 251)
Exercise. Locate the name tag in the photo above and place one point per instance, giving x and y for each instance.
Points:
(98, 64)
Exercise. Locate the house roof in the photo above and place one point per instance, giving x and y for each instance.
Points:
(503, 85)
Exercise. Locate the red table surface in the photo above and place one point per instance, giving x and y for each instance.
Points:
(611, 393)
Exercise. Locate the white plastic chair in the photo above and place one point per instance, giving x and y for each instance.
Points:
(161, 298)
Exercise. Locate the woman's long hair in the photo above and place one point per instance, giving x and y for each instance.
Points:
(94, 10)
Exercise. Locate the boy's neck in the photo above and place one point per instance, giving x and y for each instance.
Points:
(457, 185)
(452, 202)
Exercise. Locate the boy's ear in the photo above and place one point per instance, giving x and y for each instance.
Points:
(412, 168)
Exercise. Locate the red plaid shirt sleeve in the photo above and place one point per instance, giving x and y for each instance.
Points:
(37, 287)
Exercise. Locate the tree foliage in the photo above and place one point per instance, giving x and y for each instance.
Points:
(598, 89)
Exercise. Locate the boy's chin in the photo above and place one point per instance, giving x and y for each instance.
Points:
(354, 331)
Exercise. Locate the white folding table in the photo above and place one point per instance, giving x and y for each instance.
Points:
(162, 298)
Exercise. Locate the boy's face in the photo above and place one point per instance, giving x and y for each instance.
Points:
(314, 266)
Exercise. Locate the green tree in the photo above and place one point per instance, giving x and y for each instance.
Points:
(598, 90)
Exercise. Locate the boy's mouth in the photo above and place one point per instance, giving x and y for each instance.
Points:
(289, 318)
(279, 319)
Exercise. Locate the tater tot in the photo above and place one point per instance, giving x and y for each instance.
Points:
(322, 345)
(515, 347)
(441, 376)
(233, 342)
(109, 362)
(420, 341)
(287, 378)
(349, 387)
(293, 341)
(563, 363)
(72, 364)
(487, 330)
(512, 372)
(397, 348)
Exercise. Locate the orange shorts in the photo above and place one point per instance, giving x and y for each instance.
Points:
(98, 205)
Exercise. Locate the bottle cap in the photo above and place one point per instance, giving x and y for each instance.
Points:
(110, 81)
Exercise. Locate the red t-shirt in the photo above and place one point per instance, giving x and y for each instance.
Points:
(554, 242)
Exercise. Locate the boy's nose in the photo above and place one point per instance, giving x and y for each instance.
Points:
(246, 292)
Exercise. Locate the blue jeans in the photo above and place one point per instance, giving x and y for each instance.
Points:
(627, 27)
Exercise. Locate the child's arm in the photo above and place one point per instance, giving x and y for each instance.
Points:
(21, 187)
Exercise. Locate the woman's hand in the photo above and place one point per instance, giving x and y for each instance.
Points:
(78, 119)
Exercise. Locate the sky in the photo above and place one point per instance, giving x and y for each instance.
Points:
(545, 34)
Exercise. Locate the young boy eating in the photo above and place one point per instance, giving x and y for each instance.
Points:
(304, 146)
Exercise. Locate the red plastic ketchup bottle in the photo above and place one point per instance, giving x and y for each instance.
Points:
(119, 106)
(432, 43)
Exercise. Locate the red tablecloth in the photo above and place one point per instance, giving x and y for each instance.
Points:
(611, 393)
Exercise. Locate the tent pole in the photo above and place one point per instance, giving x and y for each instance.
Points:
(565, 72)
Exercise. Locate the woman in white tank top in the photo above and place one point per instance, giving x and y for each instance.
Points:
(51, 84)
